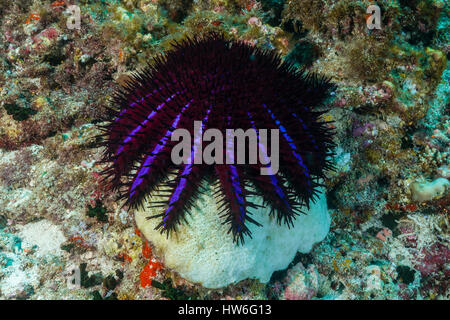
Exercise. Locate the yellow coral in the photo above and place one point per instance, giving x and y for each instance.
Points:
(437, 64)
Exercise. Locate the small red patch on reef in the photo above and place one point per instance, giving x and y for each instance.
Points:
(33, 16)
(79, 242)
(397, 207)
(124, 257)
(147, 250)
(149, 272)
(57, 4)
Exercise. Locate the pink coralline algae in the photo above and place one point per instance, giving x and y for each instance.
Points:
(436, 259)
(434, 267)
(43, 39)
(366, 129)
(302, 283)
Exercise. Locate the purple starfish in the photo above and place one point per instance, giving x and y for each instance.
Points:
(225, 84)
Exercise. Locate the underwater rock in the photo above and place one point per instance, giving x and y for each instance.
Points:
(201, 251)
(47, 236)
(428, 190)
(444, 171)
(302, 283)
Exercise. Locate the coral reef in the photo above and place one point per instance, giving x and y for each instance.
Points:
(390, 113)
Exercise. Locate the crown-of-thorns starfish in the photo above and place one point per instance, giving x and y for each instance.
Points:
(225, 84)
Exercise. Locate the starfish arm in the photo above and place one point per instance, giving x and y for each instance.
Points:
(232, 200)
(183, 189)
(151, 170)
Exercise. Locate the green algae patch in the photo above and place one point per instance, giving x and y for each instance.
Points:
(99, 212)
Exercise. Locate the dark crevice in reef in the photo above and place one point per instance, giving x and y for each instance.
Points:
(56, 56)
(19, 113)
(303, 54)
(178, 10)
(273, 10)
(305, 258)
(405, 274)
(419, 21)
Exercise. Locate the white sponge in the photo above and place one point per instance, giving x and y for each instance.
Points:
(429, 190)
